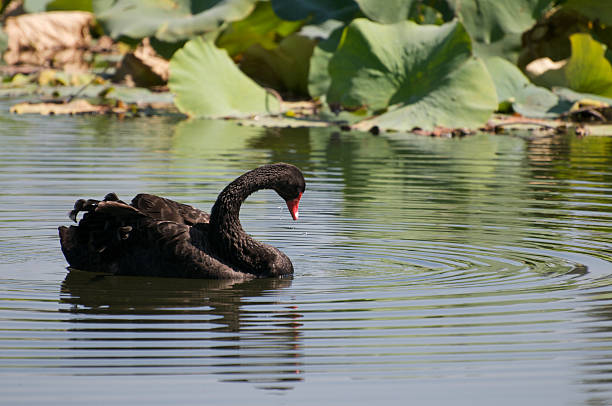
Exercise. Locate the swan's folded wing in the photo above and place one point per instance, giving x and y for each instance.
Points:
(183, 253)
(164, 209)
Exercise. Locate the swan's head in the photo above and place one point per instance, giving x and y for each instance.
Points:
(290, 185)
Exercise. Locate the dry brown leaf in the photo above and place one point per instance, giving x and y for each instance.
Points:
(70, 60)
(74, 107)
(41, 38)
(52, 30)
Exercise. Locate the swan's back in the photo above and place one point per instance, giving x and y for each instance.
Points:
(161, 208)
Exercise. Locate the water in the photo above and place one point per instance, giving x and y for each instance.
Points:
(428, 271)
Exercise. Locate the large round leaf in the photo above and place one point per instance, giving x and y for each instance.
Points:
(577, 97)
(392, 11)
(284, 68)
(425, 76)
(508, 79)
(315, 10)
(514, 89)
(318, 75)
(496, 25)
(538, 102)
(168, 20)
(533, 101)
(207, 83)
(261, 27)
(594, 9)
(39, 6)
(588, 70)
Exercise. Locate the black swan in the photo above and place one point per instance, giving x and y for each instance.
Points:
(155, 236)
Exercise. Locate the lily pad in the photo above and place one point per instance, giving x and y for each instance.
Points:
(261, 27)
(316, 11)
(169, 21)
(38, 6)
(496, 26)
(137, 95)
(207, 83)
(539, 102)
(514, 88)
(393, 11)
(588, 70)
(533, 101)
(549, 37)
(576, 97)
(284, 68)
(318, 75)
(508, 79)
(422, 76)
(286, 122)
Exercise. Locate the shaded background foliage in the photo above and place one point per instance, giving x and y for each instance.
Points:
(367, 63)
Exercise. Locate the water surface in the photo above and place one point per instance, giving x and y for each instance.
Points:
(471, 271)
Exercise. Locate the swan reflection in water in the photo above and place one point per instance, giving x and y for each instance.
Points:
(236, 329)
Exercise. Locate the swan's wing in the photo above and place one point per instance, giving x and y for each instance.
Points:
(161, 208)
(117, 238)
(186, 254)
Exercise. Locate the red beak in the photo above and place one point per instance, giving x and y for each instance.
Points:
(292, 205)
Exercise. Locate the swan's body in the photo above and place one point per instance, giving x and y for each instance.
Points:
(159, 237)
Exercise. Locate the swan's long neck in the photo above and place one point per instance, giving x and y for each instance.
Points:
(230, 241)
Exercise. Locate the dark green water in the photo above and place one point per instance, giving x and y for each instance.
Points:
(471, 271)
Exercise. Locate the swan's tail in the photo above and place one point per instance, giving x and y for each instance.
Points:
(93, 245)
(75, 255)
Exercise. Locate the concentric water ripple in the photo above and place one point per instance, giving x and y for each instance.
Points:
(426, 269)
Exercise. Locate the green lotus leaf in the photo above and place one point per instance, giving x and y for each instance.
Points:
(539, 102)
(316, 11)
(207, 83)
(508, 79)
(530, 100)
(588, 70)
(261, 27)
(168, 20)
(138, 95)
(496, 25)
(549, 38)
(318, 75)
(393, 11)
(421, 75)
(593, 9)
(574, 97)
(38, 6)
(514, 89)
(284, 68)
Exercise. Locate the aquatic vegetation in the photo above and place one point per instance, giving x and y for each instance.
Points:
(228, 91)
(420, 64)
